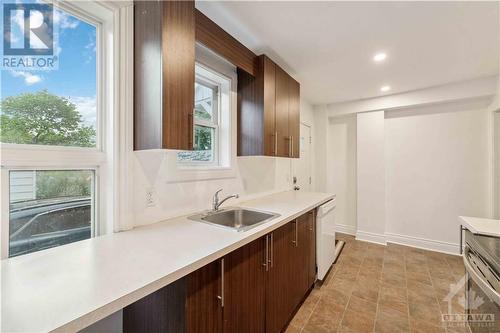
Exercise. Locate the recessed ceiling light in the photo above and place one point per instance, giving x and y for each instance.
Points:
(385, 88)
(379, 57)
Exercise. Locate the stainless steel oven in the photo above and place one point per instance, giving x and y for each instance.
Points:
(482, 291)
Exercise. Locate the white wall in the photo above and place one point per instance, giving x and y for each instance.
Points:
(371, 176)
(341, 170)
(255, 176)
(453, 133)
(437, 168)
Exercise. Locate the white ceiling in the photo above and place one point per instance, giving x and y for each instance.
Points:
(328, 46)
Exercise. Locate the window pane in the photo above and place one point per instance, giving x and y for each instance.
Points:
(49, 208)
(204, 101)
(53, 105)
(204, 138)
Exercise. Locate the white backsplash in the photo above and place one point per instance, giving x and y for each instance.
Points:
(256, 175)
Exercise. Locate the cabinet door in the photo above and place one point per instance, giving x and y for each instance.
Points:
(280, 301)
(294, 117)
(159, 312)
(300, 258)
(269, 106)
(282, 101)
(244, 285)
(203, 307)
(164, 64)
(312, 247)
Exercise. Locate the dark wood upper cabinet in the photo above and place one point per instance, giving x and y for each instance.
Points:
(164, 60)
(294, 116)
(268, 111)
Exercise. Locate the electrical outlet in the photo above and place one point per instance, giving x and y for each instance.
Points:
(150, 197)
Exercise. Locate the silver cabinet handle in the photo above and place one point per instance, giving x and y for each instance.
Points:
(266, 256)
(221, 297)
(311, 228)
(296, 241)
(272, 249)
(291, 145)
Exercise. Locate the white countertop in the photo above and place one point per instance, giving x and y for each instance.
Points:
(481, 226)
(67, 288)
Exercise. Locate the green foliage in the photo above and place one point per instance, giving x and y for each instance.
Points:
(57, 184)
(43, 118)
(203, 138)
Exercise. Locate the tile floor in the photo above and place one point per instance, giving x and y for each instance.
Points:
(374, 288)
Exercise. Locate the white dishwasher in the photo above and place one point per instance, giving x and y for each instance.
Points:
(325, 237)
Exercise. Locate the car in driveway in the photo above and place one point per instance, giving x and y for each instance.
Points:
(40, 224)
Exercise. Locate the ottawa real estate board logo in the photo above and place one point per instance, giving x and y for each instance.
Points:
(28, 37)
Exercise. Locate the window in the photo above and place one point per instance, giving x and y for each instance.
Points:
(211, 109)
(49, 208)
(54, 106)
(214, 130)
(206, 123)
(56, 134)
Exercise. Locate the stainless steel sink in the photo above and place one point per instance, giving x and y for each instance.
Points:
(239, 219)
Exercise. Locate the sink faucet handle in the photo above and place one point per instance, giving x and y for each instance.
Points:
(215, 199)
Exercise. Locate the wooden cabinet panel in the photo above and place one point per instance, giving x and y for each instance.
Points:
(159, 312)
(244, 289)
(203, 308)
(178, 74)
(311, 247)
(282, 104)
(301, 258)
(280, 301)
(294, 116)
(164, 60)
(256, 110)
(269, 98)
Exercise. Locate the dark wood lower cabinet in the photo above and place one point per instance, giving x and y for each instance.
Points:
(245, 289)
(254, 289)
(159, 312)
(279, 294)
(311, 246)
(203, 306)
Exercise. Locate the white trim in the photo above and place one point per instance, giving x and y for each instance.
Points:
(123, 189)
(371, 237)
(345, 229)
(423, 243)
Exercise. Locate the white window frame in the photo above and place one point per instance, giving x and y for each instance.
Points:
(209, 62)
(214, 124)
(101, 158)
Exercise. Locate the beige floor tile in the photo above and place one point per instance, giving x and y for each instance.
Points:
(325, 318)
(393, 298)
(424, 327)
(393, 279)
(362, 306)
(355, 322)
(391, 321)
(426, 311)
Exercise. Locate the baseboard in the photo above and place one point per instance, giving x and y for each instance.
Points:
(423, 243)
(345, 229)
(371, 237)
